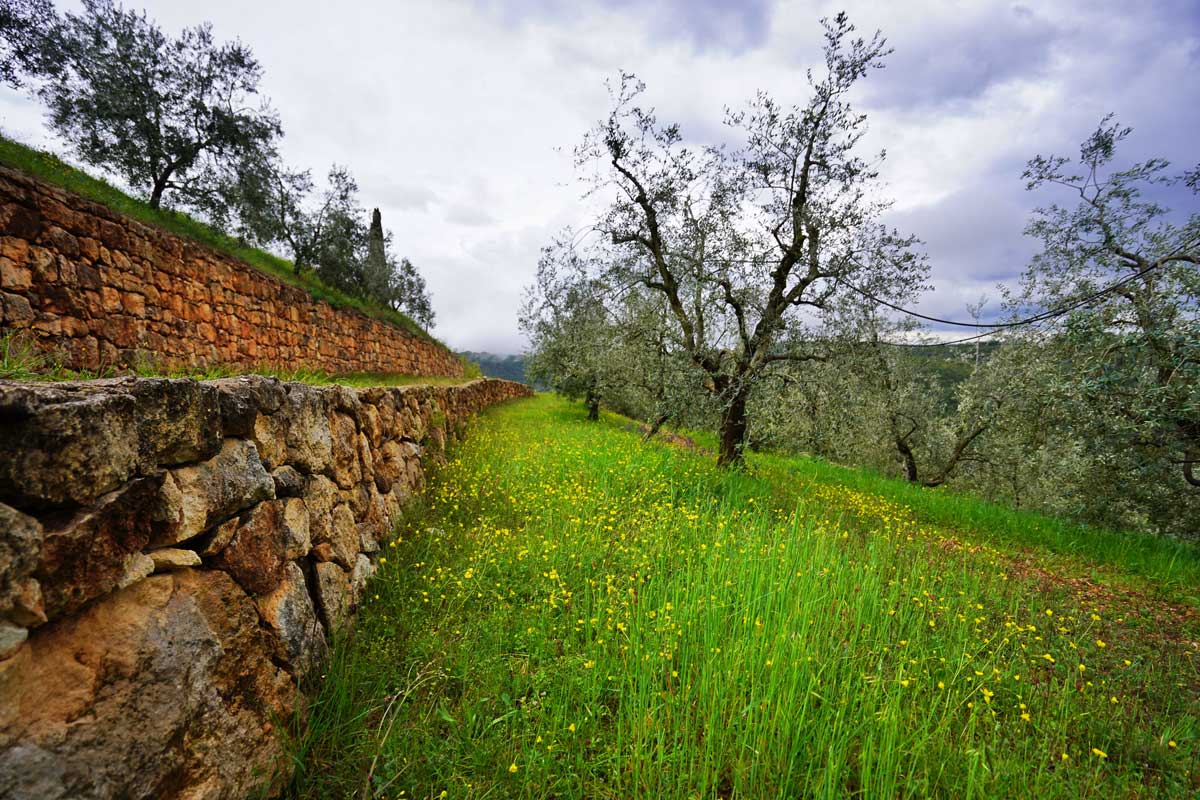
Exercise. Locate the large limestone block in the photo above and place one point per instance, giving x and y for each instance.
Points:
(320, 495)
(243, 398)
(370, 424)
(166, 689)
(305, 422)
(269, 535)
(333, 594)
(289, 612)
(343, 535)
(20, 554)
(178, 420)
(72, 442)
(198, 497)
(331, 521)
(269, 434)
(297, 533)
(88, 553)
(63, 445)
(389, 465)
(347, 471)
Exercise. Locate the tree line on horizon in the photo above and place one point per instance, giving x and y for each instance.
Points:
(754, 290)
(180, 121)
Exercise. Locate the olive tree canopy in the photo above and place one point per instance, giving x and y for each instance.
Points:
(174, 117)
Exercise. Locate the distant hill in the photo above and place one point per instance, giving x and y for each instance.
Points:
(497, 366)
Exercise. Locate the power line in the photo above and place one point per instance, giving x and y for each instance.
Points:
(1057, 312)
(1045, 315)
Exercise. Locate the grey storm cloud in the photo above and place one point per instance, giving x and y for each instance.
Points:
(956, 59)
(733, 25)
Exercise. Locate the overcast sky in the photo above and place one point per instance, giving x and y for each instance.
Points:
(458, 117)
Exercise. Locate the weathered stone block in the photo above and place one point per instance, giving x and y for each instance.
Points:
(86, 554)
(212, 491)
(20, 555)
(364, 570)
(178, 420)
(306, 430)
(343, 535)
(289, 612)
(344, 435)
(242, 399)
(65, 443)
(295, 528)
(333, 594)
(166, 688)
(288, 482)
(168, 559)
(256, 554)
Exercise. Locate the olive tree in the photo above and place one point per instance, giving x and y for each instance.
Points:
(568, 328)
(746, 245)
(1134, 351)
(172, 116)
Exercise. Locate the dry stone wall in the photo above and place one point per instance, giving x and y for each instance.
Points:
(102, 290)
(173, 557)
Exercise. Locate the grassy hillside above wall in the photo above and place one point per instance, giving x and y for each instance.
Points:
(53, 170)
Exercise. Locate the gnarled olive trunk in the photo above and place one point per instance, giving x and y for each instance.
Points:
(909, 459)
(733, 431)
(592, 401)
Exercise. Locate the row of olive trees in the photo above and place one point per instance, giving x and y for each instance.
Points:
(740, 289)
(180, 120)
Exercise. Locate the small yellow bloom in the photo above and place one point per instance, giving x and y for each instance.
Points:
(941, 685)
(512, 767)
(1025, 716)
(1171, 743)
(1100, 753)
(571, 727)
(1100, 643)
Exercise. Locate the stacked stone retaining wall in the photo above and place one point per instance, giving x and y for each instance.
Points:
(173, 558)
(100, 290)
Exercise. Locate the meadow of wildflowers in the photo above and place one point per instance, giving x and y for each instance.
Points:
(572, 613)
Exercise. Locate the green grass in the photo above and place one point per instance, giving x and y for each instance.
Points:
(572, 613)
(51, 169)
(1159, 565)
